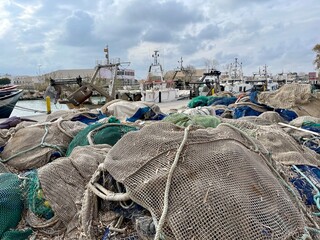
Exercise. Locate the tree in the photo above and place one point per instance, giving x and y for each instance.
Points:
(189, 71)
(211, 64)
(316, 49)
(5, 81)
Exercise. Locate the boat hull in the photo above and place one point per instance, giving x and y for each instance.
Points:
(8, 102)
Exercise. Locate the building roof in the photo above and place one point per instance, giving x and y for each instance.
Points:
(180, 75)
(71, 73)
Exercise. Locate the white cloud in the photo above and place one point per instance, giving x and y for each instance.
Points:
(72, 34)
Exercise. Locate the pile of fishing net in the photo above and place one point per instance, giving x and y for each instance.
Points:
(100, 133)
(211, 100)
(48, 200)
(132, 111)
(204, 183)
(35, 145)
(83, 115)
(297, 97)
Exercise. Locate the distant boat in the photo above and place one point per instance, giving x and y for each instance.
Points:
(155, 88)
(9, 96)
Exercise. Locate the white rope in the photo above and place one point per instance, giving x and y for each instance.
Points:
(299, 129)
(168, 184)
(105, 194)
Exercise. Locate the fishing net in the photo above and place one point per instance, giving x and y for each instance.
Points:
(34, 197)
(4, 137)
(11, 207)
(277, 142)
(211, 100)
(198, 111)
(34, 146)
(221, 188)
(288, 96)
(83, 115)
(62, 184)
(3, 168)
(184, 120)
(132, 111)
(99, 133)
(297, 97)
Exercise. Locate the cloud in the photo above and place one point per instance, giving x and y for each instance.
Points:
(72, 34)
(78, 30)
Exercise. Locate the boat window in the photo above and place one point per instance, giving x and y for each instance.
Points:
(240, 89)
(244, 89)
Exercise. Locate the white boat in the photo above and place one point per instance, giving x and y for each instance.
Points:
(235, 82)
(155, 89)
(231, 81)
(263, 81)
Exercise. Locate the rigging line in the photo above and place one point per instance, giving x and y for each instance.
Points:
(29, 109)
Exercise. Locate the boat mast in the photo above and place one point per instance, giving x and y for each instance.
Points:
(156, 67)
(265, 74)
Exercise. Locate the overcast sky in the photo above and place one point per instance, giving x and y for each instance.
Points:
(48, 35)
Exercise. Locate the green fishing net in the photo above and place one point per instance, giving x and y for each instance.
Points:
(11, 203)
(34, 198)
(184, 120)
(100, 133)
(199, 101)
(17, 234)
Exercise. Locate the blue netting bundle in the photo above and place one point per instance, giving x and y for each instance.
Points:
(311, 126)
(287, 114)
(254, 97)
(244, 111)
(146, 113)
(219, 112)
(89, 118)
(221, 101)
(312, 145)
(304, 188)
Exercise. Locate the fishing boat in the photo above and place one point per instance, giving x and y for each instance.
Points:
(9, 96)
(155, 88)
(234, 81)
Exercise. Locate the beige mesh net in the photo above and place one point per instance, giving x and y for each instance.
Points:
(63, 182)
(288, 96)
(276, 142)
(33, 146)
(221, 188)
(297, 97)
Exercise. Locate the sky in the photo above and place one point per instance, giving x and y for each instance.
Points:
(41, 36)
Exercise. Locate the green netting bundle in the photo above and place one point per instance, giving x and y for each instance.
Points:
(184, 120)
(11, 203)
(34, 198)
(100, 133)
(17, 234)
(312, 126)
(199, 101)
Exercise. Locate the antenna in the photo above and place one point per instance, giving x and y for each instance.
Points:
(155, 57)
(106, 51)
